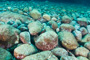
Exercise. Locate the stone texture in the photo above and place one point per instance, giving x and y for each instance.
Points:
(67, 27)
(35, 14)
(24, 50)
(59, 52)
(68, 40)
(53, 24)
(8, 36)
(86, 38)
(47, 40)
(35, 27)
(45, 55)
(66, 19)
(87, 45)
(82, 21)
(7, 16)
(81, 51)
(83, 30)
(68, 58)
(78, 35)
(25, 37)
(46, 17)
(82, 58)
(5, 55)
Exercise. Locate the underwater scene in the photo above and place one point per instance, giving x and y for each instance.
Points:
(44, 30)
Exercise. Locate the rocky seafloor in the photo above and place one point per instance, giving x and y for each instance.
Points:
(32, 30)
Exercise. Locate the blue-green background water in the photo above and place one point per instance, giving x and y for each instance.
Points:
(82, 2)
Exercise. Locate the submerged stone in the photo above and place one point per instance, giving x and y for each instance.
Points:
(45, 55)
(5, 55)
(24, 50)
(47, 40)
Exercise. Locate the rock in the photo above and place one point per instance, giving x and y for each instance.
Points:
(46, 17)
(47, 40)
(5, 55)
(21, 25)
(78, 35)
(25, 37)
(82, 21)
(81, 58)
(68, 58)
(77, 26)
(59, 52)
(15, 9)
(86, 38)
(35, 27)
(66, 27)
(83, 30)
(2, 23)
(30, 8)
(87, 45)
(11, 22)
(73, 23)
(54, 19)
(20, 12)
(15, 25)
(68, 40)
(25, 9)
(45, 55)
(88, 28)
(8, 16)
(18, 22)
(81, 51)
(89, 55)
(57, 30)
(53, 24)
(66, 19)
(8, 35)
(23, 29)
(9, 8)
(24, 50)
(35, 14)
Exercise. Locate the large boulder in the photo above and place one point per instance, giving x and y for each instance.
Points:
(8, 36)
